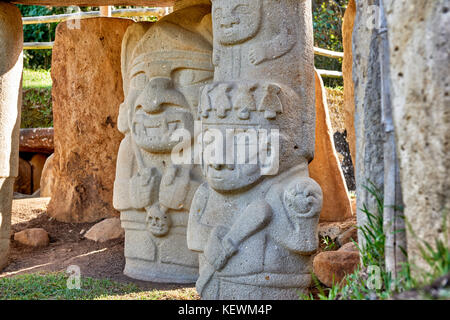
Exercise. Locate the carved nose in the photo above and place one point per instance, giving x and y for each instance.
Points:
(157, 93)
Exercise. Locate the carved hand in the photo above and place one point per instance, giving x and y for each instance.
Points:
(256, 55)
(303, 199)
(144, 188)
(215, 252)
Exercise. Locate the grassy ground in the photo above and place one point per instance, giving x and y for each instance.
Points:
(36, 79)
(37, 99)
(53, 286)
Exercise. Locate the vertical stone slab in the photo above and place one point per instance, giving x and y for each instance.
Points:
(369, 166)
(11, 65)
(87, 91)
(163, 65)
(254, 220)
(419, 54)
(325, 168)
(347, 68)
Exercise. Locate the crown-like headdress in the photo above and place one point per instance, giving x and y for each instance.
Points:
(245, 103)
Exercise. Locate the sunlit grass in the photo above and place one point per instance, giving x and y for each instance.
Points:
(53, 286)
(36, 79)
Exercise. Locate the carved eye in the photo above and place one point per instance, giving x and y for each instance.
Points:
(139, 81)
(188, 77)
(242, 9)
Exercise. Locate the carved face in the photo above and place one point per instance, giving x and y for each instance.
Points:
(236, 21)
(161, 105)
(234, 175)
(158, 222)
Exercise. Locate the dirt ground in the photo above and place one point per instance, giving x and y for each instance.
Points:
(67, 247)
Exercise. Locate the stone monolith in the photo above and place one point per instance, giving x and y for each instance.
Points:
(325, 168)
(369, 159)
(419, 33)
(163, 66)
(254, 221)
(11, 64)
(347, 68)
(86, 94)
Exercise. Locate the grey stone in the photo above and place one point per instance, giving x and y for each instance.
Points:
(256, 232)
(11, 64)
(369, 166)
(419, 33)
(163, 67)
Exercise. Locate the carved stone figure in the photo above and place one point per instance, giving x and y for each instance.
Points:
(164, 65)
(11, 65)
(254, 222)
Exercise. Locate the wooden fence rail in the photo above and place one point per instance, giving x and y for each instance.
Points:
(140, 12)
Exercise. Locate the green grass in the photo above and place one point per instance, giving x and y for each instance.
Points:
(53, 286)
(36, 79)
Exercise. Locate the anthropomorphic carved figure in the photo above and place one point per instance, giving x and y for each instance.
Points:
(243, 36)
(254, 222)
(163, 65)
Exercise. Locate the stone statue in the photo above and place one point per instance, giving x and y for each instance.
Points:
(254, 222)
(164, 64)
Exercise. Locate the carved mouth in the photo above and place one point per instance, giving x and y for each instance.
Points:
(154, 132)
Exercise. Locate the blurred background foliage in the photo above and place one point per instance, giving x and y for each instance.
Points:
(327, 20)
(328, 16)
(42, 59)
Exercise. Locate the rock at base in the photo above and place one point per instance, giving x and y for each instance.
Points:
(347, 236)
(349, 247)
(23, 182)
(105, 230)
(37, 166)
(35, 237)
(332, 266)
(47, 178)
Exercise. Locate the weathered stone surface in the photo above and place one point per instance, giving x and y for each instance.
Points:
(369, 160)
(349, 246)
(348, 236)
(332, 266)
(347, 70)
(325, 168)
(419, 33)
(11, 64)
(164, 65)
(333, 230)
(39, 140)
(108, 229)
(37, 165)
(86, 94)
(255, 224)
(47, 177)
(23, 182)
(35, 237)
